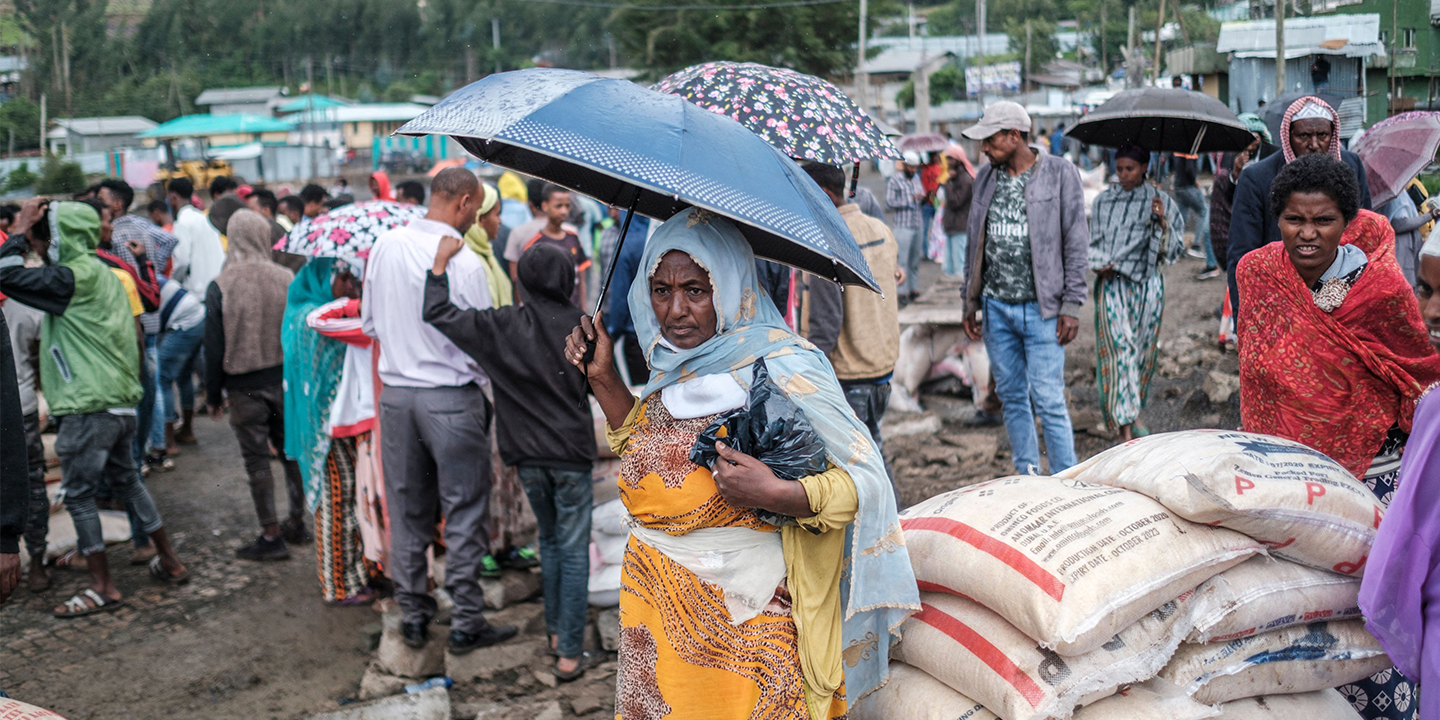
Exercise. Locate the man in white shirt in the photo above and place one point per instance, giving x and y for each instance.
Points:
(198, 252)
(434, 417)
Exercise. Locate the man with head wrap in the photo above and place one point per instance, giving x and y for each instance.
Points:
(1310, 126)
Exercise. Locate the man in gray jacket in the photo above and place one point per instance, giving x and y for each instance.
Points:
(1026, 272)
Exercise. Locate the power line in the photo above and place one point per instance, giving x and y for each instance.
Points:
(631, 6)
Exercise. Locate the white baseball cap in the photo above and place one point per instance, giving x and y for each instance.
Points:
(1003, 115)
(911, 157)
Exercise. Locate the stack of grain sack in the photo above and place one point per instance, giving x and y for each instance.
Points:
(1186, 575)
(608, 537)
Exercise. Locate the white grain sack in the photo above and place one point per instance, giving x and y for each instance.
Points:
(1068, 563)
(981, 656)
(1154, 700)
(1300, 503)
(1293, 660)
(1264, 594)
(1321, 705)
(910, 694)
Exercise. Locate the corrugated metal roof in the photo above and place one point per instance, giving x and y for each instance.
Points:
(1349, 35)
(311, 101)
(364, 112)
(208, 125)
(118, 125)
(224, 96)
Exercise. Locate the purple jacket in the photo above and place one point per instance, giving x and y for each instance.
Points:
(1400, 594)
(1059, 236)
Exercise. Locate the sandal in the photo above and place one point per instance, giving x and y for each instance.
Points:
(72, 560)
(158, 571)
(364, 596)
(575, 674)
(88, 602)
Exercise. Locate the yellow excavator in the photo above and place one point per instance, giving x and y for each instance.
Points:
(199, 168)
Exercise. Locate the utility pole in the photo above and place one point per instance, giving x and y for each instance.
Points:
(862, 78)
(1132, 56)
(1394, 42)
(43, 122)
(1104, 59)
(1279, 48)
(1027, 60)
(495, 40)
(980, 43)
(1159, 26)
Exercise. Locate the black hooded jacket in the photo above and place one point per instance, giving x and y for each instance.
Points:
(543, 418)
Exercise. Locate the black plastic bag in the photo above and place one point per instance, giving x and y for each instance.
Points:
(769, 428)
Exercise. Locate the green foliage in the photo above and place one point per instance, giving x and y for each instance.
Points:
(22, 116)
(946, 84)
(19, 179)
(59, 177)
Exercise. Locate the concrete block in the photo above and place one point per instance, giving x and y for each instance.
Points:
(485, 663)
(376, 683)
(512, 587)
(432, 704)
(608, 623)
(397, 658)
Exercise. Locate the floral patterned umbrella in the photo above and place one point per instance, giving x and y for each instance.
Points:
(802, 115)
(348, 231)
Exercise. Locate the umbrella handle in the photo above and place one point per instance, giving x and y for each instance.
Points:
(1199, 138)
(589, 356)
(855, 180)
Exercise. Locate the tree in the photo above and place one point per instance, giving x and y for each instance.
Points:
(20, 116)
(59, 177)
(819, 39)
(19, 178)
(946, 84)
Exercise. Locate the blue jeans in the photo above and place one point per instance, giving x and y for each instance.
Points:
(562, 501)
(956, 247)
(145, 412)
(176, 351)
(1191, 199)
(96, 448)
(1029, 366)
(911, 244)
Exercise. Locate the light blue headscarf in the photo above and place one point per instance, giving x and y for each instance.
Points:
(881, 589)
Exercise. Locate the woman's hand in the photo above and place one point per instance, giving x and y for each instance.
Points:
(746, 482)
(576, 347)
(1106, 272)
(605, 382)
(1157, 208)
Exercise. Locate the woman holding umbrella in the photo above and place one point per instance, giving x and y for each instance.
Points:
(762, 634)
(1135, 230)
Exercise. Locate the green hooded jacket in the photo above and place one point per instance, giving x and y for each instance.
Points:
(90, 359)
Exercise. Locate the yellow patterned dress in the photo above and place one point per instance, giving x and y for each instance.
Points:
(680, 657)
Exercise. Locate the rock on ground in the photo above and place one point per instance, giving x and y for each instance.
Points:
(608, 623)
(485, 663)
(432, 704)
(1220, 386)
(376, 683)
(512, 587)
(397, 658)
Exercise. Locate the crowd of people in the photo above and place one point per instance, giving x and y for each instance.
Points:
(430, 396)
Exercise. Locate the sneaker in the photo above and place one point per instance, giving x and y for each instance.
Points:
(1193, 253)
(415, 634)
(159, 462)
(522, 558)
(462, 642)
(263, 548)
(1208, 274)
(295, 533)
(489, 568)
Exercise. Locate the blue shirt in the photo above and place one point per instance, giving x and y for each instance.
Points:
(627, 266)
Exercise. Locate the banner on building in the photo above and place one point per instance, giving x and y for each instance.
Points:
(991, 79)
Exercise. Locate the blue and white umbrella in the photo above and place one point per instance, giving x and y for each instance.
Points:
(657, 154)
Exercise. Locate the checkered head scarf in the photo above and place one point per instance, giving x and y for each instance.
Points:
(1304, 109)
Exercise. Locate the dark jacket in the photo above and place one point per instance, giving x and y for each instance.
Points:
(14, 463)
(1059, 236)
(1252, 225)
(539, 396)
(958, 190)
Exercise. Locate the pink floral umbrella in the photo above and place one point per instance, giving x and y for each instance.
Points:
(1395, 150)
(348, 231)
(802, 115)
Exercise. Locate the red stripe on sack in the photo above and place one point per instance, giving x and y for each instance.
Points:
(999, 550)
(983, 650)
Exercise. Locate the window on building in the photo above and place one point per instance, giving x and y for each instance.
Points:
(1385, 38)
(1409, 37)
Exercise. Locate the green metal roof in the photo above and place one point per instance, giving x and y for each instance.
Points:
(309, 102)
(206, 125)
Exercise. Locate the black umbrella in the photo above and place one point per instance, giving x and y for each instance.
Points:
(1274, 111)
(1163, 120)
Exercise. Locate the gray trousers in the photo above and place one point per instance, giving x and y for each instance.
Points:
(435, 448)
(94, 447)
